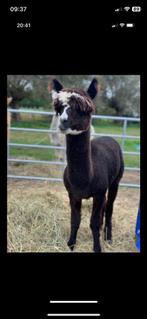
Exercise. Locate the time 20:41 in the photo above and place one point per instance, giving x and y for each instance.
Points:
(23, 25)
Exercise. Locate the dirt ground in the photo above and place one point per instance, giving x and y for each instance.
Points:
(38, 219)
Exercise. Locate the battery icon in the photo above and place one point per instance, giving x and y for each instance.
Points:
(136, 9)
(130, 25)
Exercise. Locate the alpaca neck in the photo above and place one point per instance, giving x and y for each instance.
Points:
(79, 159)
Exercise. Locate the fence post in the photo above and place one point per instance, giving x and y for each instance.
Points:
(124, 134)
(8, 137)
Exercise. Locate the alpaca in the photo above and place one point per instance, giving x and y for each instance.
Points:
(94, 167)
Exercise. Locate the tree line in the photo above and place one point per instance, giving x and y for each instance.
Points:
(118, 94)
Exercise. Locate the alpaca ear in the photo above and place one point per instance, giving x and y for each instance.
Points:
(93, 89)
(55, 85)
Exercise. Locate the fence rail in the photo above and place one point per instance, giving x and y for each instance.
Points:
(123, 136)
(56, 163)
(53, 179)
(110, 117)
(53, 131)
(55, 147)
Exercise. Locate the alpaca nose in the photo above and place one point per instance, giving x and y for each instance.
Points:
(63, 120)
(63, 124)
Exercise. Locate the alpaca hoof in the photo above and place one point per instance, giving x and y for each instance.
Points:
(108, 235)
(71, 245)
(97, 249)
(109, 241)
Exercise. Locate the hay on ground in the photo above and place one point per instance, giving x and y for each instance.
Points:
(39, 219)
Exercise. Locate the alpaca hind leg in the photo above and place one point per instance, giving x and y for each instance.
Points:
(75, 220)
(108, 212)
(96, 221)
(102, 213)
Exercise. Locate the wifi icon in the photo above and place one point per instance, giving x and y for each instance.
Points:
(127, 8)
(122, 25)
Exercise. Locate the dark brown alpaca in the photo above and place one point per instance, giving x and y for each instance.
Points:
(93, 167)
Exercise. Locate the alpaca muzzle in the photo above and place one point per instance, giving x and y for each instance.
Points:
(63, 126)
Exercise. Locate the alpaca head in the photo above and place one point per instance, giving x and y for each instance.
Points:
(74, 107)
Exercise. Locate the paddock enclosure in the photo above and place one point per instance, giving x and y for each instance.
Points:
(38, 207)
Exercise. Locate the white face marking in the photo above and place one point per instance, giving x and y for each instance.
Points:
(64, 115)
(64, 96)
(73, 132)
(54, 95)
(77, 95)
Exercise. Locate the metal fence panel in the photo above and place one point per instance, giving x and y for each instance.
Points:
(124, 136)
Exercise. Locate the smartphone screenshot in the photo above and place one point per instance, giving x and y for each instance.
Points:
(72, 242)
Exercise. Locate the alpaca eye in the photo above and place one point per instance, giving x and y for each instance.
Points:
(82, 113)
(58, 108)
(61, 110)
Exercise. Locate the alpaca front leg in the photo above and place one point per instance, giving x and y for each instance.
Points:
(95, 222)
(75, 220)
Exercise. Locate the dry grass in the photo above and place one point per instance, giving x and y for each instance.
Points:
(39, 218)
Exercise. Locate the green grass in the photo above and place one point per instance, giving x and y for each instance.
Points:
(42, 122)
(38, 154)
(130, 145)
(132, 161)
(108, 126)
(32, 121)
(31, 138)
